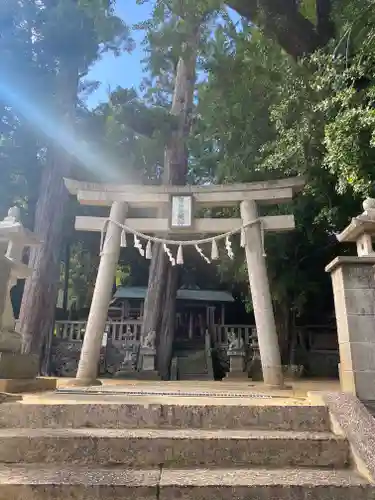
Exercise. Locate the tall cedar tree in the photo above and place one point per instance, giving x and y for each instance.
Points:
(74, 33)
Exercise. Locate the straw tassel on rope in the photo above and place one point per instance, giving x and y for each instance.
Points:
(180, 256)
(214, 251)
(149, 250)
(169, 253)
(228, 246)
(123, 243)
(138, 245)
(199, 250)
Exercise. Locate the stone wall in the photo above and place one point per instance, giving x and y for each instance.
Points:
(319, 355)
(65, 357)
(321, 361)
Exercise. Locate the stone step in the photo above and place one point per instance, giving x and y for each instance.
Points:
(188, 367)
(263, 484)
(192, 370)
(174, 448)
(189, 362)
(193, 366)
(155, 416)
(191, 353)
(194, 376)
(188, 345)
(87, 483)
(188, 349)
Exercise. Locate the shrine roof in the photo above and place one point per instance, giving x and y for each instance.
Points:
(139, 292)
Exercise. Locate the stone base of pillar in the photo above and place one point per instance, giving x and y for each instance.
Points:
(18, 366)
(273, 377)
(148, 356)
(148, 372)
(236, 365)
(83, 382)
(10, 341)
(18, 373)
(20, 385)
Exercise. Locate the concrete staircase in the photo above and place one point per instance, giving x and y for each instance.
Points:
(191, 360)
(183, 451)
(192, 365)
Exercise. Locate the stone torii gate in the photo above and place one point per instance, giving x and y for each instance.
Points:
(125, 200)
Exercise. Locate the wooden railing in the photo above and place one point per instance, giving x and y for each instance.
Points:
(222, 332)
(130, 330)
(116, 330)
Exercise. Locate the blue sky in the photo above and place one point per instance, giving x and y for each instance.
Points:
(126, 69)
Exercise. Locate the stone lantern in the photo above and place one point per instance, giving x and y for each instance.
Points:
(17, 370)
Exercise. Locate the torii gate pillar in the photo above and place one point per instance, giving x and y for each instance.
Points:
(261, 298)
(90, 353)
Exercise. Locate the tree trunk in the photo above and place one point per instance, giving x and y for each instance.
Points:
(325, 24)
(45, 361)
(154, 298)
(163, 279)
(40, 293)
(66, 278)
(283, 328)
(166, 334)
(283, 22)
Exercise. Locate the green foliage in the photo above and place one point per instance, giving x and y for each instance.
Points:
(244, 74)
(82, 275)
(122, 275)
(263, 115)
(325, 124)
(174, 30)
